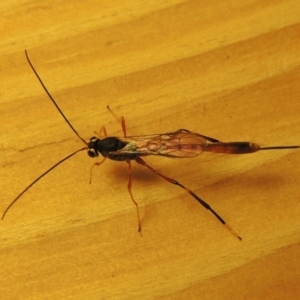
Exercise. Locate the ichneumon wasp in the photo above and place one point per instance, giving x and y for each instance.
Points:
(178, 144)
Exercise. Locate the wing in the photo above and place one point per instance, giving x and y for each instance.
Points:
(181, 143)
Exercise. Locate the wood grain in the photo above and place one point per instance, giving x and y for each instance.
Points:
(226, 69)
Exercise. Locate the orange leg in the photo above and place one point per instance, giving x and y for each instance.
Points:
(203, 203)
(129, 185)
(121, 120)
(98, 163)
(99, 134)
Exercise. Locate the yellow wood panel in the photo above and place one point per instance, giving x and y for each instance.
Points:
(226, 69)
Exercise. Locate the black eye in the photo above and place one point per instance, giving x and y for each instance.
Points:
(92, 153)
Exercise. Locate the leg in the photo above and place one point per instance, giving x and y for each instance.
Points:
(132, 199)
(103, 129)
(98, 163)
(122, 120)
(204, 204)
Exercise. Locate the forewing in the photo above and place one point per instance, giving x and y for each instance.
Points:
(174, 144)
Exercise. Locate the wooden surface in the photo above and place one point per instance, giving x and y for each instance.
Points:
(226, 69)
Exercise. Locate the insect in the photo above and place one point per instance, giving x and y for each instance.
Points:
(178, 144)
